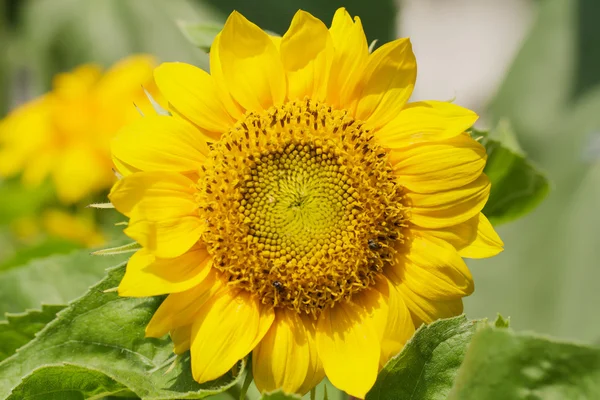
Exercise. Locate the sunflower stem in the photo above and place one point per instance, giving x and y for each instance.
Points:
(247, 382)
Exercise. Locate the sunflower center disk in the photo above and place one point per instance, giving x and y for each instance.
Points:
(301, 206)
(294, 202)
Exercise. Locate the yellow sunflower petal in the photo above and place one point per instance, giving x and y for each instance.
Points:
(227, 328)
(154, 195)
(399, 326)
(161, 143)
(306, 53)
(216, 71)
(486, 244)
(276, 41)
(194, 94)
(351, 53)
(315, 373)
(122, 168)
(348, 346)
(166, 238)
(374, 304)
(425, 311)
(181, 339)
(434, 269)
(79, 228)
(79, 171)
(180, 309)
(15, 153)
(77, 83)
(438, 166)
(459, 236)
(389, 317)
(425, 121)
(282, 358)
(251, 65)
(123, 80)
(389, 78)
(147, 275)
(451, 207)
(38, 168)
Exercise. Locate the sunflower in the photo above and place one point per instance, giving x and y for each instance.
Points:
(66, 133)
(296, 207)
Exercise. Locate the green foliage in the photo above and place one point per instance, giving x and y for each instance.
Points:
(46, 247)
(52, 280)
(19, 329)
(18, 201)
(66, 382)
(547, 277)
(104, 333)
(426, 367)
(279, 395)
(4, 81)
(58, 33)
(502, 322)
(503, 365)
(517, 185)
(200, 35)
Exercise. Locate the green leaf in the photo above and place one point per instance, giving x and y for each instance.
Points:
(4, 61)
(428, 364)
(45, 248)
(200, 35)
(52, 280)
(279, 395)
(103, 332)
(66, 382)
(502, 322)
(501, 364)
(517, 185)
(19, 329)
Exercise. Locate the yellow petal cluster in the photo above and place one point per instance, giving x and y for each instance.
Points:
(65, 134)
(288, 140)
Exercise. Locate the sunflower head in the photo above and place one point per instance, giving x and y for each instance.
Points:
(301, 206)
(295, 206)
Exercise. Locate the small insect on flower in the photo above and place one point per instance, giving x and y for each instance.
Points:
(278, 286)
(316, 163)
(373, 245)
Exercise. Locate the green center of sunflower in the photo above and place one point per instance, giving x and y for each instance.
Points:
(301, 206)
(294, 202)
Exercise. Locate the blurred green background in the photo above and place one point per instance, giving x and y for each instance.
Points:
(536, 63)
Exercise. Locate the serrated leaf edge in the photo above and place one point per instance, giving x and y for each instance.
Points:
(115, 378)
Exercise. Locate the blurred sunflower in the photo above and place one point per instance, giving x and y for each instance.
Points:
(296, 207)
(65, 135)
